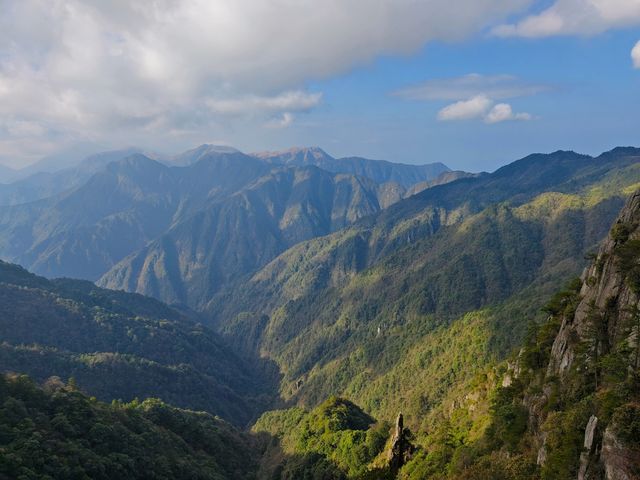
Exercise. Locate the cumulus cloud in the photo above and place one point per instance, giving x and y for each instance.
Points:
(476, 96)
(635, 55)
(93, 68)
(466, 109)
(502, 112)
(480, 107)
(575, 17)
(499, 87)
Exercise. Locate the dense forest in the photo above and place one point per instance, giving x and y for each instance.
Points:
(57, 432)
(402, 310)
(565, 405)
(121, 346)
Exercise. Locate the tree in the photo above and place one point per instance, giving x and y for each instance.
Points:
(596, 338)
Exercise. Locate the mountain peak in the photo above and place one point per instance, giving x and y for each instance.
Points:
(213, 148)
(136, 162)
(195, 154)
(314, 150)
(297, 155)
(621, 151)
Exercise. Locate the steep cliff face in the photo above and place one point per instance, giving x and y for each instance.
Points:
(608, 290)
(592, 377)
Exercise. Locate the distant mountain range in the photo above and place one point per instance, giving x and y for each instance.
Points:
(195, 154)
(181, 229)
(379, 171)
(43, 184)
(81, 233)
(54, 175)
(229, 238)
(7, 174)
(298, 281)
(61, 160)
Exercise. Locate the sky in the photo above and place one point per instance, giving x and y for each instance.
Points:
(472, 83)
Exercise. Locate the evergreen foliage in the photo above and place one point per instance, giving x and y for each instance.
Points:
(120, 345)
(61, 433)
(336, 436)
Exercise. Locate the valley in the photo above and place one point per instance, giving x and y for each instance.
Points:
(307, 307)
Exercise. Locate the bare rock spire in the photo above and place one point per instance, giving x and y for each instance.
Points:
(401, 447)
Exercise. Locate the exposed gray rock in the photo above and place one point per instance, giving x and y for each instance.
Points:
(589, 458)
(618, 464)
(590, 431)
(603, 285)
(584, 464)
(401, 447)
(605, 290)
(542, 455)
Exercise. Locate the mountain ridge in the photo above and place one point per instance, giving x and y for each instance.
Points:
(381, 171)
(40, 185)
(117, 207)
(273, 213)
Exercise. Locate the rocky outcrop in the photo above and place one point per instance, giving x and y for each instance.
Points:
(604, 289)
(608, 297)
(401, 447)
(619, 462)
(590, 453)
(590, 432)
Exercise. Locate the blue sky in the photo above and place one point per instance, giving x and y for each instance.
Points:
(591, 104)
(472, 83)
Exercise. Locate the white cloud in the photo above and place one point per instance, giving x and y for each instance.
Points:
(466, 109)
(476, 95)
(498, 87)
(575, 17)
(635, 55)
(503, 112)
(132, 67)
(480, 107)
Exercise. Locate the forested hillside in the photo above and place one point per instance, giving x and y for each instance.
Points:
(336, 440)
(566, 404)
(121, 346)
(563, 405)
(371, 311)
(59, 432)
(320, 240)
